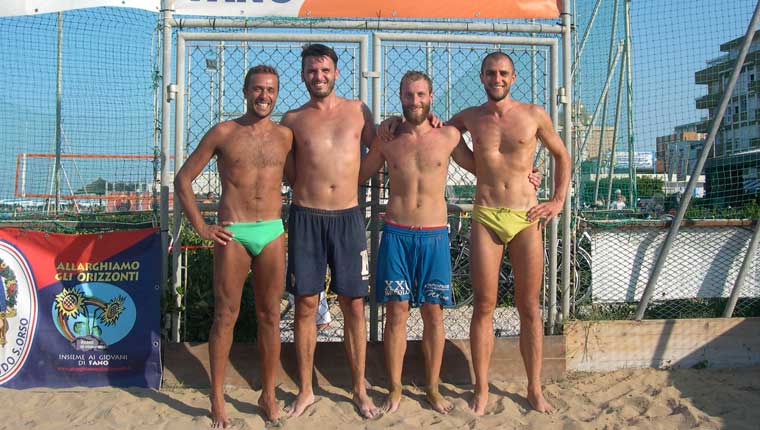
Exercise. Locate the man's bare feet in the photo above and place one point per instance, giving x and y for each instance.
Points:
(219, 418)
(303, 401)
(367, 409)
(537, 400)
(269, 405)
(478, 404)
(393, 399)
(437, 401)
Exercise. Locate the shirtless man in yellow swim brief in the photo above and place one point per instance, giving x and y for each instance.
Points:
(505, 133)
(250, 153)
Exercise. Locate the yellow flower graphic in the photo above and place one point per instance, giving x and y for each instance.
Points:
(112, 310)
(69, 302)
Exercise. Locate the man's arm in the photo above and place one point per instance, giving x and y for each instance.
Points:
(554, 144)
(463, 155)
(290, 161)
(368, 132)
(183, 188)
(372, 162)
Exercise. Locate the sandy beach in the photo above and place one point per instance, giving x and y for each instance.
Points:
(624, 399)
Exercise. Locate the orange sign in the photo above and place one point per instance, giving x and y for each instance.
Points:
(431, 8)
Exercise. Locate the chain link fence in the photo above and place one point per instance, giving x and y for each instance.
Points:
(79, 113)
(647, 86)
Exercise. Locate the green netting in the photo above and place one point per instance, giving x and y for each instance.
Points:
(105, 124)
(677, 71)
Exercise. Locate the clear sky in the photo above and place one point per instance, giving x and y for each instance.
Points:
(671, 41)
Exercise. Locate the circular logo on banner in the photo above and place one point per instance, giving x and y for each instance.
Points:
(93, 315)
(18, 311)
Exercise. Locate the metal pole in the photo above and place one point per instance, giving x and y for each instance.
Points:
(448, 81)
(579, 50)
(739, 283)
(533, 72)
(220, 115)
(166, 179)
(590, 128)
(429, 59)
(501, 28)
(618, 106)
(566, 100)
(58, 119)
(604, 105)
(552, 231)
(649, 290)
(374, 314)
(179, 134)
(633, 189)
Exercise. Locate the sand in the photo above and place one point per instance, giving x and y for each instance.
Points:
(624, 399)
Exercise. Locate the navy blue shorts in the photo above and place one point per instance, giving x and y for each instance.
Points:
(317, 238)
(414, 265)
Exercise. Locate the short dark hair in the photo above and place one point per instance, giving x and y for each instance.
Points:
(318, 50)
(494, 55)
(414, 75)
(261, 69)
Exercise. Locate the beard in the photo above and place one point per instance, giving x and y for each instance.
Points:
(416, 118)
(496, 97)
(323, 92)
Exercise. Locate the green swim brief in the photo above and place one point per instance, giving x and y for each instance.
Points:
(254, 236)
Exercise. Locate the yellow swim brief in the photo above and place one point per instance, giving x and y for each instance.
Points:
(505, 223)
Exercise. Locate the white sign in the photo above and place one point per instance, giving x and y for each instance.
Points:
(34, 7)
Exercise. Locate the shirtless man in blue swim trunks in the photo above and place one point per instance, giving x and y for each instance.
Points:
(251, 153)
(414, 262)
(325, 225)
(505, 133)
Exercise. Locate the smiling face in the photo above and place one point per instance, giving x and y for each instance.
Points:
(319, 75)
(416, 98)
(261, 94)
(497, 76)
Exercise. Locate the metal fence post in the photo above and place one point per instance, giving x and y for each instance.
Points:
(374, 313)
(166, 64)
(604, 106)
(567, 85)
(618, 106)
(663, 255)
(739, 283)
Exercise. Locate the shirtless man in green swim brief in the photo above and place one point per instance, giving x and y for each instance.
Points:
(251, 153)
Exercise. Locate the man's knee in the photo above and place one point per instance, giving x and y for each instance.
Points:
(396, 314)
(484, 305)
(353, 306)
(306, 306)
(225, 315)
(432, 315)
(268, 316)
(529, 310)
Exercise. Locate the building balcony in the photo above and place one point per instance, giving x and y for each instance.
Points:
(708, 101)
(717, 69)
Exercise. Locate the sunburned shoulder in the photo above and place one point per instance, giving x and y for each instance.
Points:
(283, 130)
(447, 132)
(224, 128)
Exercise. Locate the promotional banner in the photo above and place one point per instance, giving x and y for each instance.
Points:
(476, 9)
(34, 7)
(79, 310)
